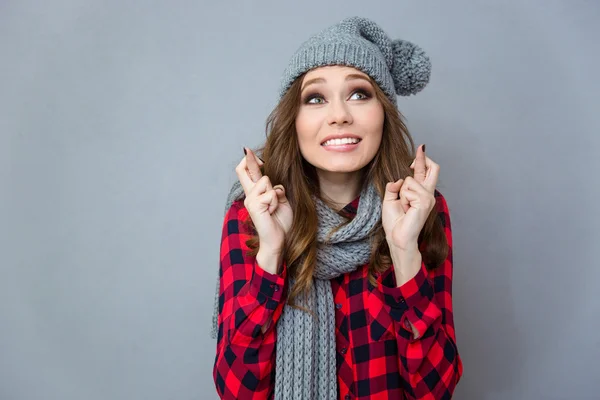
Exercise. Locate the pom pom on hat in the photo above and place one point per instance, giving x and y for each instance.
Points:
(411, 69)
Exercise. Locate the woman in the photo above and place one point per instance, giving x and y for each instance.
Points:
(336, 260)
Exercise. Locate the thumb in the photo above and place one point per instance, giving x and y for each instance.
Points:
(280, 190)
(392, 190)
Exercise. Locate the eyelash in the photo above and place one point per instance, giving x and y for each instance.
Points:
(311, 96)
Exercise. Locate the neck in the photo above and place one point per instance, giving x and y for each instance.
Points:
(339, 188)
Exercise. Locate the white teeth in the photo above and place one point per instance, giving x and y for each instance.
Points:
(338, 142)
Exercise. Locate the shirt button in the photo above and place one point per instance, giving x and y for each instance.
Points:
(347, 397)
(275, 287)
(338, 306)
(344, 350)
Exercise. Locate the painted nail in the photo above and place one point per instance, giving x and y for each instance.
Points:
(245, 152)
(423, 148)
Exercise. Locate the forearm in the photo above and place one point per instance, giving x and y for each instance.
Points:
(407, 262)
(425, 336)
(250, 301)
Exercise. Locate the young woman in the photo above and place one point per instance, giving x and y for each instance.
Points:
(336, 253)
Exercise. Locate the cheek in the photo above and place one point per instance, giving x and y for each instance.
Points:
(300, 126)
(376, 116)
(306, 128)
(301, 133)
(374, 119)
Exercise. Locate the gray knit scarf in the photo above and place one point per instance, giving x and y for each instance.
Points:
(305, 366)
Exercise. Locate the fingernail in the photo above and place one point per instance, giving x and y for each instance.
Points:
(245, 152)
(423, 148)
(261, 160)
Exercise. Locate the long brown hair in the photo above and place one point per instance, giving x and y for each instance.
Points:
(284, 164)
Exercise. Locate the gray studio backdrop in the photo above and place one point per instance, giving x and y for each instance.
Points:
(121, 123)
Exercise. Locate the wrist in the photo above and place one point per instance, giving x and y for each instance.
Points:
(409, 248)
(407, 263)
(267, 247)
(269, 261)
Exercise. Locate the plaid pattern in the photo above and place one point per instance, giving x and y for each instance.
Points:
(377, 355)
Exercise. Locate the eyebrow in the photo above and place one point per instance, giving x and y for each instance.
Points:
(350, 77)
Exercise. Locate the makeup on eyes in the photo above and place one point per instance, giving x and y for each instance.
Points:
(315, 94)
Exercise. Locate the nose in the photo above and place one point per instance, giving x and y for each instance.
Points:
(339, 113)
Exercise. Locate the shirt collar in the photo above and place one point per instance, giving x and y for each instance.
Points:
(351, 208)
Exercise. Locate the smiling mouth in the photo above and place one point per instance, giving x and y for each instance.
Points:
(341, 142)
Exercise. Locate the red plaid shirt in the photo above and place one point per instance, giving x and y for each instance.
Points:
(377, 355)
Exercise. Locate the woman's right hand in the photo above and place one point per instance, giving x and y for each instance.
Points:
(267, 205)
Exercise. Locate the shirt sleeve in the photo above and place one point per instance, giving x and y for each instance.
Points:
(250, 303)
(430, 364)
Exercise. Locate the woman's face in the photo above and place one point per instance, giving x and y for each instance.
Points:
(340, 121)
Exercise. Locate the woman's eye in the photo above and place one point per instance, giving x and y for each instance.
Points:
(314, 99)
(361, 93)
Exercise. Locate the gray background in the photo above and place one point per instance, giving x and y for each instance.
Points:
(121, 123)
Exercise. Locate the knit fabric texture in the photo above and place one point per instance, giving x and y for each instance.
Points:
(305, 365)
(398, 66)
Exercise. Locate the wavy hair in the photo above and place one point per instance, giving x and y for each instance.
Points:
(284, 164)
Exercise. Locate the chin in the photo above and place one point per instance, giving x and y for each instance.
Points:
(341, 162)
(341, 167)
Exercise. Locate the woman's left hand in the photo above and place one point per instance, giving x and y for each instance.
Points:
(408, 202)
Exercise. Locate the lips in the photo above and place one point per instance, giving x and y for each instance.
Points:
(340, 139)
(340, 142)
(341, 148)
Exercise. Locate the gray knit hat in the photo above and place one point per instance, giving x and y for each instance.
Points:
(398, 66)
